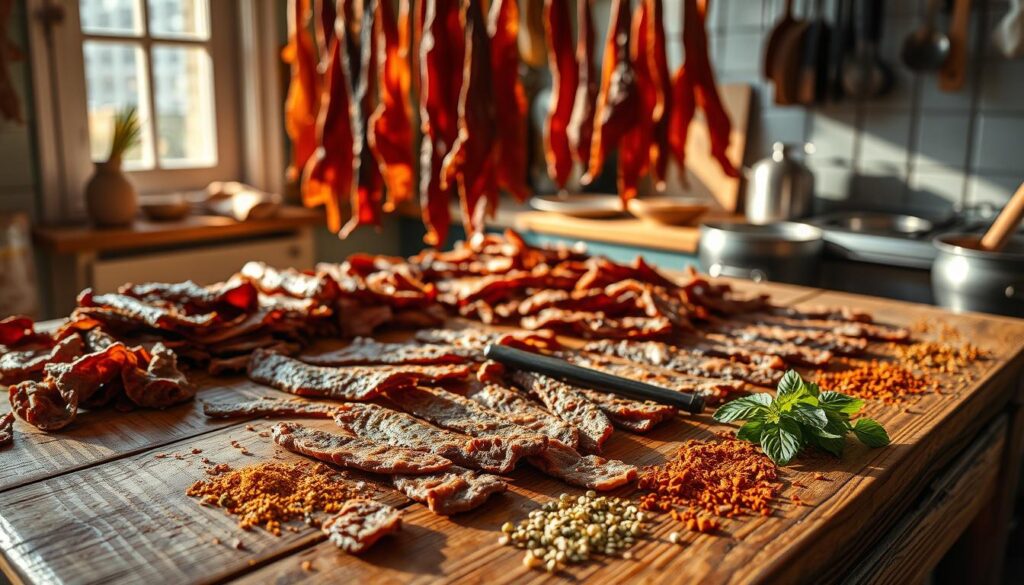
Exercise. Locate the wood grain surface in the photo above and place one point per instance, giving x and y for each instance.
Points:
(100, 506)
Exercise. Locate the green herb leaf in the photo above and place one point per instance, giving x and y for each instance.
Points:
(837, 402)
(831, 444)
(749, 407)
(812, 388)
(811, 416)
(790, 383)
(779, 441)
(751, 431)
(870, 433)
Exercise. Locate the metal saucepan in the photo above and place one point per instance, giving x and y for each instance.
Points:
(967, 279)
(782, 252)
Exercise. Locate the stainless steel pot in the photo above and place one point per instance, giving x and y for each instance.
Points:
(967, 279)
(781, 252)
(780, 187)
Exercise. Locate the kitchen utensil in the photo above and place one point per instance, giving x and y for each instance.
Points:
(1008, 36)
(840, 44)
(579, 205)
(878, 223)
(170, 207)
(669, 210)
(965, 278)
(864, 74)
(771, 46)
(782, 252)
(1005, 224)
(786, 66)
(593, 379)
(954, 71)
(927, 48)
(812, 77)
(780, 187)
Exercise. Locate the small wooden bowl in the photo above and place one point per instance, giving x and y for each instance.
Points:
(669, 210)
(170, 207)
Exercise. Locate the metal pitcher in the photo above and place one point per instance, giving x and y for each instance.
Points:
(780, 187)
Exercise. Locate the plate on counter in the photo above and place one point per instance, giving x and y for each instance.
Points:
(579, 205)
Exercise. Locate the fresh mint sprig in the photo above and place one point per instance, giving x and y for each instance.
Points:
(799, 415)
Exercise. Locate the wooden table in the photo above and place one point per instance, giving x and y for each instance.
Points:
(104, 501)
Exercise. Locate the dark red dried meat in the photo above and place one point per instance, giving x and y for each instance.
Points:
(360, 523)
(450, 492)
(571, 406)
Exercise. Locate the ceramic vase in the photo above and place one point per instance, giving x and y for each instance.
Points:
(110, 198)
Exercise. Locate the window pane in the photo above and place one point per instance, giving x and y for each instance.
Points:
(111, 17)
(115, 78)
(179, 19)
(183, 82)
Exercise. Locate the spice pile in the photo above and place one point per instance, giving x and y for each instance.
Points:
(942, 357)
(877, 380)
(270, 493)
(724, 478)
(570, 530)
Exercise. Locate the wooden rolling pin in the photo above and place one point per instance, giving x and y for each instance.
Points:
(1005, 224)
(954, 71)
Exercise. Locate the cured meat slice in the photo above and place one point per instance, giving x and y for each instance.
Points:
(130, 310)
(360, 523)
(14, 330)
(658, 56)
(450, 492)
(479, 338)
(596, 324)
(581, 124)
(509, 98)
(384, 425)
(269, 407)
(347, 450)
(656, 353)
(789, 352)
(41, 405)
(712, 389)
(161, 384)
(353, 383)
(390, 126)
(365, 351)
(633, 415)
(6, 429)
(290, 282)
(571, 406)
(839, 322)
(236, 294)
(15, 366)
(458, 413)
(636, 141)
(816, 338)
(564, 79)
(300, 108)
(519, 409)
(589, 471)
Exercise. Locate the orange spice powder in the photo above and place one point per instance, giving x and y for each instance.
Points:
(877, 380)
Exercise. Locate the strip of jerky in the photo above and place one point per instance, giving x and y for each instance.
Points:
(450, 492)
(353, 383)
(816, 338)
(269, 407)
(347, 450)
(360, 523)
(479, 338)
(366, 351)
(571, 406)
(384, 425)
(711, 389)
(598, 325)
(838, 321)
(16, 366)
(589, 471)
(633, 415)
(521, 410)
(789, 352)
(458, 413)
(6, 429)
(663, 355)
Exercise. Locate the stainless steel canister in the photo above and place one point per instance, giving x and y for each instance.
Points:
(779, 187)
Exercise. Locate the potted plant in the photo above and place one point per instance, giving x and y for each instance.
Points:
(110, 198)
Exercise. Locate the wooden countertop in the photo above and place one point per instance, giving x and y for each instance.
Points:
(101, 501)
(144, 233)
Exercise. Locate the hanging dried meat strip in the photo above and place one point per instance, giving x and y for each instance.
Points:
(635, 145)
(366, 351)
(353, 383)
(658, 55)
(6, 429)
(234, 294)
(390, 125)
(360, 523)
(270, 407)
(302, 104)
(391, 427)
(329, 179)
(325, 18)
(656, 353)
(16, 366)
(569, 405)
(587, 471)
(471, 162)
(617, 100)
(450, 492)
(580, 129)
(526, 413)
(564, 81)
(509, 99)
(441, 56)
(347, 450)
(367, 199)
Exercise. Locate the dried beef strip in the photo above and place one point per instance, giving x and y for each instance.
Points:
(161, 384)
(129, 310)
(816, 338)
(588, 471)
(347, 450)
(450, 492)
(460, 414)
(290, 282)
(519, 409)
(712, 389)
(6, 429)
(301, 103)
(360, 523)
(236, 294)
(789, 352)
(41, 405)
(509, 98)
(352, 383)
(663, 355)
(16, 366)
(478, 339)
(269, 407)
(565, 78)
(581, 124)
(836, 322)
(366, 351)
(571, 406)
(633, 415)
(597, 325)
(384, 425)
(16, 330)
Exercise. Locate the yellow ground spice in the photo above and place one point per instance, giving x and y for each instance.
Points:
(708, 479)
(877, 380)
(268, 494)
(941, 357)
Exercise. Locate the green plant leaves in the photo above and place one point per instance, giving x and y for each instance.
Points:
(800, 415)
